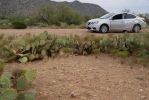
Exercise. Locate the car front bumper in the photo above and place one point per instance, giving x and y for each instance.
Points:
(93, 27)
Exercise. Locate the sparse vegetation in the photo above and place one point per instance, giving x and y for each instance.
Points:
(19, 25)
(48, 16)
(30, 48)
(146, 16)
(60, 16)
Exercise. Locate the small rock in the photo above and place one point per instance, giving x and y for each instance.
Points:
(53, 81)
(59, 96)
(74, 94)
(40, 93)
(140, 78)
(143, 97)
(141, 90)
(54, 67)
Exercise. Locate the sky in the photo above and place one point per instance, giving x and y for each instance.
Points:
(136, 6)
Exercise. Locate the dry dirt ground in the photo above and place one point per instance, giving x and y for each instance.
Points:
(85, 77)
(81, 32)
(88, 78)
(50, 31)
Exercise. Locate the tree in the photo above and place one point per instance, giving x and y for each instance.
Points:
(48, 14)
(60, 13)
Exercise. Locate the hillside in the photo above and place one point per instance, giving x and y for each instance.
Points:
(29, 7)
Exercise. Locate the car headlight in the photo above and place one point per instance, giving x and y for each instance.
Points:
(96, 22)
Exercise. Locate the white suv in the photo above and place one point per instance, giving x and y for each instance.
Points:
(116, 22)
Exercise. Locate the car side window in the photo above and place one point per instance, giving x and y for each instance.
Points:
(129, 16)
(117, 17)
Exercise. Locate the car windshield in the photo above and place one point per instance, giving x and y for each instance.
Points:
(107, 16)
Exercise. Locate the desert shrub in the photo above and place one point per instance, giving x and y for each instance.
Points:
(49, 14)
(19, 25)
(31, 21)
(59, 15)
(69, 16)
(144, 48)
(30, 48)
(63, 25)
(67, 50)
(5, 23)
(16, 86)
(146, 17)
(84, 46)
(119, 53)
(18, 22)
(4, 41)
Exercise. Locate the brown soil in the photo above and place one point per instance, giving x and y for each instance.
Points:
(81, 32)
(50, 31)
(85, 77)
(88, 78)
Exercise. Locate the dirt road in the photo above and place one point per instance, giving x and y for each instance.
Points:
(88, 78)
(81, 32)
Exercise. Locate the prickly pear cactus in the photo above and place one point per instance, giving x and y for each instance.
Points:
(31, 57)
(29, 95)
(22, 83)
(23, 60)
(30, 75)
(13, 87)
(5, 80)
(8, 94)
(2, 65)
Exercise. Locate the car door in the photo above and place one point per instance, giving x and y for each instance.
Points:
(129, 21)
(117, 23)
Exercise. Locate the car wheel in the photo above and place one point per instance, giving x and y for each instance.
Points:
(104, 29)
(136, 28)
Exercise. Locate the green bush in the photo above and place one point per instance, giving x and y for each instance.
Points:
(69, 16)
(58, 15)
(19, 25)
(5, 24)
(49, 15)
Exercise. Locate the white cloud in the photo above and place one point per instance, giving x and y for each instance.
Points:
(138, 6)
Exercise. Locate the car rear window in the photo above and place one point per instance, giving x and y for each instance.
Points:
(129, 16)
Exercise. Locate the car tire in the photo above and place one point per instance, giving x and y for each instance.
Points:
(136, 28)
(104, 29)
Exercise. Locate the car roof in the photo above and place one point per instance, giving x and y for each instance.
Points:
(125, 13)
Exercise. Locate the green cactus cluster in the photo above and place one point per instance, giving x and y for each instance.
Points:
(16, 86)
(83, 46)
(1, 67)
(36, 47)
